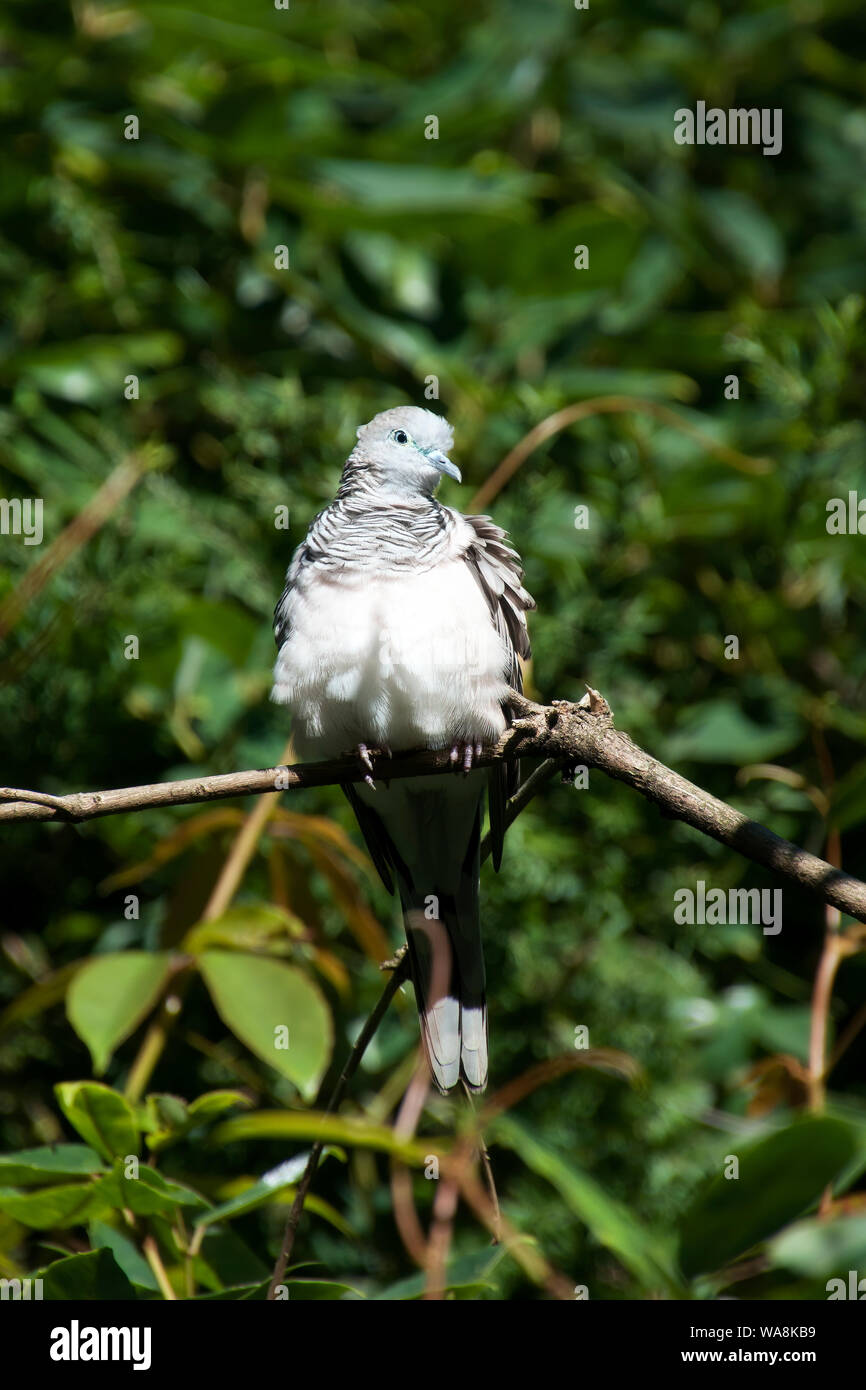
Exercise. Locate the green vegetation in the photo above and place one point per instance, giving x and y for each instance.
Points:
(145, 959)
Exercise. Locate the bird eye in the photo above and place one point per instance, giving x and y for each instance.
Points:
(400, 437)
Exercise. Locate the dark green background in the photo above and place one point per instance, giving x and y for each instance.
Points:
(454, 258)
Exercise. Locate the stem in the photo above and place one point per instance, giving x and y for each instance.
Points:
(364, 1038)
(154, 1259)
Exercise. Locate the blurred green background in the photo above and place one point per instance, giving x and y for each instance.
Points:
(409, 259)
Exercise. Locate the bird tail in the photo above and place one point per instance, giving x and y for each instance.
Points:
(443, 931)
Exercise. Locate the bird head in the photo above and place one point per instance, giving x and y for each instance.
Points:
(406, 450)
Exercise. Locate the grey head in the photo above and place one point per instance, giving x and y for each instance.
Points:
(403, 451)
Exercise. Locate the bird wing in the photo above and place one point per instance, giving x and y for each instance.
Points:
(497, 569)
(282, 612)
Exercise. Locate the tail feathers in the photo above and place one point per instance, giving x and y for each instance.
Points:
(452, 1010)
(473, 1046)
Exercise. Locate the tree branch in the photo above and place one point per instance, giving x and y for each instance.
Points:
(567, 734)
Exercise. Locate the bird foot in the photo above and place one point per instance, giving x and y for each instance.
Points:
(462, 755)
(367, 762)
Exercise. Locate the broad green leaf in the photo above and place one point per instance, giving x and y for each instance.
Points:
(646, 1254)
(102, 1117)
(247, 927)
(73, 1204)
(149, 1194)
(822, 1249)
(30, 1167)
(224, 1261)
(265, 1003)
(780, 1177)
(109, 997)
(126, 1253)
(95, 1277)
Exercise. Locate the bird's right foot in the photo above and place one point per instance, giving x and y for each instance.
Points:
(462, 755)
(367, 762)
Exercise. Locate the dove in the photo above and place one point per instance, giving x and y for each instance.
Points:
(402, 625)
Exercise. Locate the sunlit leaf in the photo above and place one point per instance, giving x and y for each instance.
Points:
(111, 994)
(102, 1117)
(276, 1010)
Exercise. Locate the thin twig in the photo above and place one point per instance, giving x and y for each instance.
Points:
(365, 1036)
(80, 530)
(154, 1259)
(605, 405)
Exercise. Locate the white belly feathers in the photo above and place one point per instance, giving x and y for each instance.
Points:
(410, 660)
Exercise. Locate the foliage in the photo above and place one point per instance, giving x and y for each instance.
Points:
(129, 953)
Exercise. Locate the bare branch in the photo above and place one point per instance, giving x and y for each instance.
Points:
(568, 735)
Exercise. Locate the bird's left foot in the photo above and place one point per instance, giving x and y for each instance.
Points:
(367, 762)
(462, 755)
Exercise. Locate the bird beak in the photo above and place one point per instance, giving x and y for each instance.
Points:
(444, 464)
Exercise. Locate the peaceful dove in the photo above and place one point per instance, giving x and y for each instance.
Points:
(400, 627)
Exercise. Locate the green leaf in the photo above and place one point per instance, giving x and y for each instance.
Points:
(258, 998)
(741, 225)
(410, 188)
(163, 1118)
(109, 997)
(467, 1276)
(214, 1103)
(820, 1249)
(126, 1253)
(849, 798)
(149, 1194)
(94, 1277)
(248, 927)
(43, 995)
(779, 1178)
(640, 1250)
(30, 1167)
(102, 1117)
(309, 1290)
(238, 1293)
(69, 1205)
(351, 1130)
(286, 1175)
(717, 731)
(167, 1119)
(225, 1261)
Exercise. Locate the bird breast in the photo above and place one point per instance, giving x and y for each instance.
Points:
(408, 660)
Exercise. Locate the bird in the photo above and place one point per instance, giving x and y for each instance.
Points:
(402, 625)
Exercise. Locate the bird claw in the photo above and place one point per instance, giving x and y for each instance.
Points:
(463, 754)
(367, 762)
